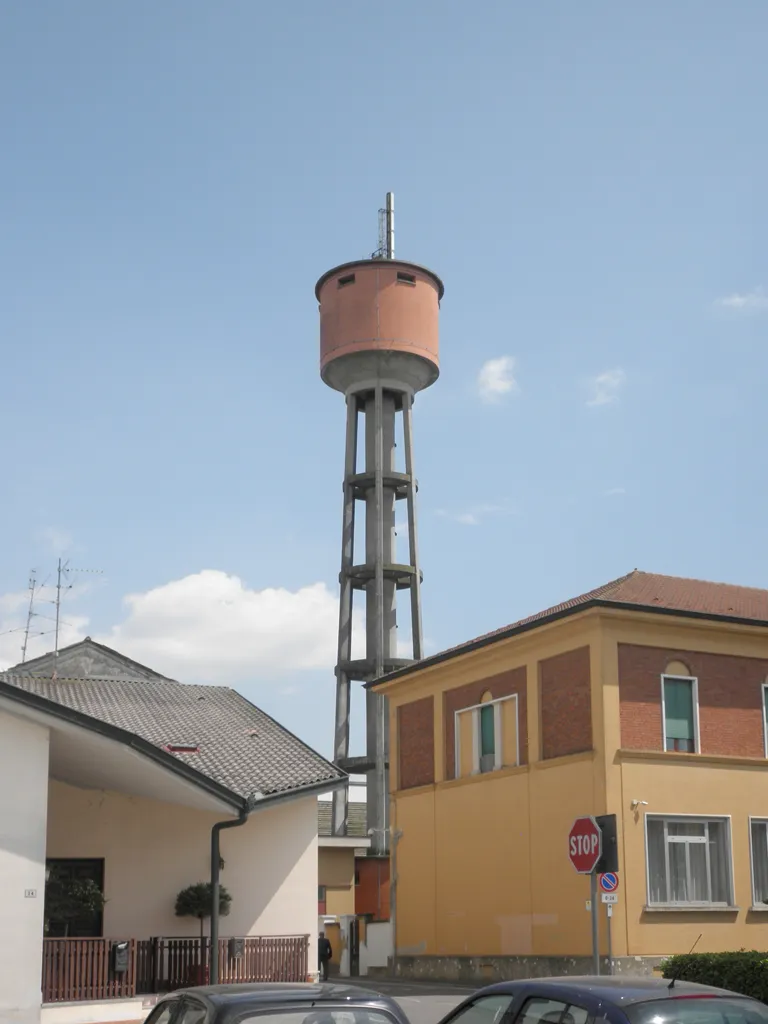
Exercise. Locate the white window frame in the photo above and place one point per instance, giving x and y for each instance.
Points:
(765, 723)
(498, 761)
(704, 818)
(763, 820)
(693, 680)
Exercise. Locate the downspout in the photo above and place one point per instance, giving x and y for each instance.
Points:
(215, 887)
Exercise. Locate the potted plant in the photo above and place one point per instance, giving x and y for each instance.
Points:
(197, 901)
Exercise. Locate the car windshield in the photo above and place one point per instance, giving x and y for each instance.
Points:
(319, 1015)
(686, 1009)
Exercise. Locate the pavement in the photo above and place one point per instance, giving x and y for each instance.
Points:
(424, 1002)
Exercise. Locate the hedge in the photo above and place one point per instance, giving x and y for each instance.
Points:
(745, 972)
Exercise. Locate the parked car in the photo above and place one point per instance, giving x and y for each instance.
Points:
(276, 1003)
(606, 1001)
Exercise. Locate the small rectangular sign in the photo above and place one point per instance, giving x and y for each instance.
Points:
(30, 894)
(609, 897)
(589, 904)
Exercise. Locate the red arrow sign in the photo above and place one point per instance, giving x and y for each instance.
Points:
(585, 845)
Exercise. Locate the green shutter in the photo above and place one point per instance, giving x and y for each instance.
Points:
(487, 730)
(678, 709)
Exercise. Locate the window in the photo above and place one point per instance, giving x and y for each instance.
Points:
(348, 279)
(688, 861)
(321, 899)
(765, 717)
(486, 736)
(63, 872)
(680, 713)
(320, 1015)
(486, 1010)
(758, 829)
(405, 278)
(706, 1010)
(551, 1011)
(163, 1013)
(192, 1013)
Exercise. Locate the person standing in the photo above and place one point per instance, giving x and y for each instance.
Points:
(324, 954)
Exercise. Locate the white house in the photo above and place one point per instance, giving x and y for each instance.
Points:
(112, 772)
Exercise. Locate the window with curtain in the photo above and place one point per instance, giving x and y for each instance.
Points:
(765, 717)
(679, 714)
(759, 831)
(487, 746)
(689, 861)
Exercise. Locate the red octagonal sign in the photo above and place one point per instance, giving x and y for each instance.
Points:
(585, 845)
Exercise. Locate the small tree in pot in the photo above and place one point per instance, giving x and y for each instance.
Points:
(197, 901)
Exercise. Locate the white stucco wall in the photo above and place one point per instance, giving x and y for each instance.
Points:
(23, 807)
(152, 850)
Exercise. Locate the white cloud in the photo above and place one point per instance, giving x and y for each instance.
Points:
(474, 515)
(211, 627)
(58, 539)
(605, 387)
(496, 379)
(614, 492)
(745, 302)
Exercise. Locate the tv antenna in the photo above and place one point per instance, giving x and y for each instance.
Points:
(30, 613)
(63, 572)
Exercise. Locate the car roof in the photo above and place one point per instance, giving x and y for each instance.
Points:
(286, 992)
(616, 990)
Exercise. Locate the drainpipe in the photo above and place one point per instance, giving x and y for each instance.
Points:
(215, 888)
(396, 837)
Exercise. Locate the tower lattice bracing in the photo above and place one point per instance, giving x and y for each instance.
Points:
(379, 346)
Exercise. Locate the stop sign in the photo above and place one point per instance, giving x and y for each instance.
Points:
(585, 845)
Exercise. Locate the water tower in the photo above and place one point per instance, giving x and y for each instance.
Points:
(378, 347)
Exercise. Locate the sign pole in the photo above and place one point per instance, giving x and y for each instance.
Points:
(595, 922)
(609, 909)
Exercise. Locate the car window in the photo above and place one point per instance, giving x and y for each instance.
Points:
(485, 1010)
(551, 1011)
(699, 1010)
(192, 1013)
(163, 1013)
(317, 1015)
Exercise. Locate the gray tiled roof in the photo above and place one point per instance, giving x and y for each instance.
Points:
(240, 747)
(357, 826)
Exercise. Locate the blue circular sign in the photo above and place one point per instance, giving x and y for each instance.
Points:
(609, 882)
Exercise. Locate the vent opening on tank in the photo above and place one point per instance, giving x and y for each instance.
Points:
(349, 279)
(406, 278)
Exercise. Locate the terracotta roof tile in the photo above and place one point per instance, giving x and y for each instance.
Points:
(640, 590)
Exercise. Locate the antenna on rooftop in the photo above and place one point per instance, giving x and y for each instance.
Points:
(62, 572)
(30, 612)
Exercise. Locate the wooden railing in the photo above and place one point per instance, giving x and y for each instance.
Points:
(165, 964)
(78, 970)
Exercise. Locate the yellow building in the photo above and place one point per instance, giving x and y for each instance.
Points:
(645, 699)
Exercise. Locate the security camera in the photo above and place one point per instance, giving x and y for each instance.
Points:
(638, 803)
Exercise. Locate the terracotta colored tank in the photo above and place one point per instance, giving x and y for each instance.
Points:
(379, 322)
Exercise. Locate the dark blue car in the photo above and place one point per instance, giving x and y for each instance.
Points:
(606, 1001)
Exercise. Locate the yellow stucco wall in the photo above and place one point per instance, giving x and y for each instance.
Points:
(482, 867)
(336, 871)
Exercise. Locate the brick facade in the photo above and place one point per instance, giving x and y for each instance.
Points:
(416, 743)
(502, 685)
(730, 699)
(566, 704)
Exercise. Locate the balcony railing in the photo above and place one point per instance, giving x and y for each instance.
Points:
(77, 970)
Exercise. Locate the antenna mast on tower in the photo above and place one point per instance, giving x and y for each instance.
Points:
(63, 570)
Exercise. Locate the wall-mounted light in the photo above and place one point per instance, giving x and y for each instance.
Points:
(638, 803)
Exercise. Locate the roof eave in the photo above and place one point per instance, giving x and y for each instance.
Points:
(526, 627)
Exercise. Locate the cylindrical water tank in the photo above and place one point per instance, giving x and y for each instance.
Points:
(379, 322)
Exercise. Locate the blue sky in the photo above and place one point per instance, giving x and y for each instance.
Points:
(588, 180)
